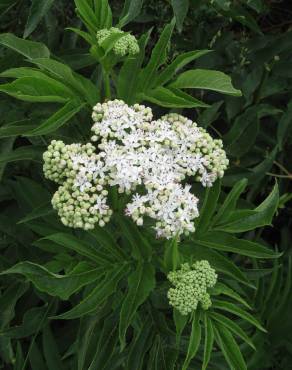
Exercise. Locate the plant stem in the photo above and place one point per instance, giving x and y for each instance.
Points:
(106, 83)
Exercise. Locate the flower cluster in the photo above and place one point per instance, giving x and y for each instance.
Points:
(136, 152)
(191, 284)
(81, 199)
(126, 44)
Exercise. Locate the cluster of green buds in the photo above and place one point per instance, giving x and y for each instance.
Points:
(190, 286)
(81, 199)
(125, 45)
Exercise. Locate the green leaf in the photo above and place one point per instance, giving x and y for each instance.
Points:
(16, 128)
(106, 345)
(58, 119)
(8, 300)
(38, 9)
(85, 35)
(25, 153)
(209, 341)
(170, 98)
(209, 115)
(208, 207)
(35, 358)
(103, 13)
(232, 326)
(232, 308)
(158, 56)
(261, 215)
(33, 320)
(180, 9)
(229, 348)
(51, 352)
(34, 89)
(95, 299)
(230, 201)
(106, 240)
(195, 340)
(83, 86)
(127, 79)
(141, 282)
(141, 248)
(206, 79)
(179, 62)
(220, 288)
(87, 15)
(141, 343)
(171, 255)
(81, 247)
(62, 286)
(217, 260)
(180, 322)
(284, 126)
(29, 49)
(130, 11)
(228, 243)
(40, 211)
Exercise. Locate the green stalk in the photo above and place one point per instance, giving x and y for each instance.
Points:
(106, 83)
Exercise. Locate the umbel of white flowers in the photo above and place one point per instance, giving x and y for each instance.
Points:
(126, 44)
(190, 286)
(133, 152)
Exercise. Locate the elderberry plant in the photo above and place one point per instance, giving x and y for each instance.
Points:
(184, 292)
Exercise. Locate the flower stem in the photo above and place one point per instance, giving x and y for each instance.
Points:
(106, 84)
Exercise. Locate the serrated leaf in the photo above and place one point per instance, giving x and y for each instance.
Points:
(58, 119)
(40, 211)
(229, 348)
(218, 261)
(25, 153)
(29, 49)
(232, 308)
(171, 255)
(141, 248)
(62, 286)
(38, 9)
(127, 79)
(180, 322)
(194, 341)
(33, 319)
(180, 9)
(230, 201)
(221, 288)
(179, 62)
(50, 350)
(130, 11)
(260, 216)
(35, 89)
(170, 98)
(208, 208)
(209, 341)
(97, 296)
(81, 247)
(233, 327)
(140, 284)
(103, 13)
(157, 58)
(205, 79)
(228, 243)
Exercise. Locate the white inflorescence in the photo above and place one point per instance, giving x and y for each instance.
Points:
(136, 151)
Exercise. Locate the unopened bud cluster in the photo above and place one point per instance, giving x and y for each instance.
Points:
(125, 45)
(135, 153)
(191, 285)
